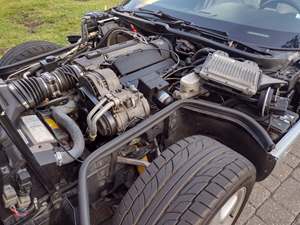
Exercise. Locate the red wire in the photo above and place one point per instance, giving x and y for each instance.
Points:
(16, 213)
(133, 29)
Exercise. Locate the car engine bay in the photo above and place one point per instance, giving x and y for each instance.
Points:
(66, 106)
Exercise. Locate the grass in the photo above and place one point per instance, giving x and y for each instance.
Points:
(52, 20)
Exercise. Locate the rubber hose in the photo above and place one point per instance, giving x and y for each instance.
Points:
(201, 53)
(74, 131)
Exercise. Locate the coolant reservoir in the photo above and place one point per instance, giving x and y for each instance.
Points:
(190, 83)
(190, 86)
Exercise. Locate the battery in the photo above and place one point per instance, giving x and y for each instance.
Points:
(39, 139)
(60, 134)
(35, 130)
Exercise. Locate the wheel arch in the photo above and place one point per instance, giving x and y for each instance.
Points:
(181, 119)
(233, 129)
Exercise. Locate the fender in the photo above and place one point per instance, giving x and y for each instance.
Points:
(231, 127)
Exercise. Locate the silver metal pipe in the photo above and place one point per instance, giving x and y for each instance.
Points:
(97, 116)
(133, 162)
(283, 146)
(94, 110)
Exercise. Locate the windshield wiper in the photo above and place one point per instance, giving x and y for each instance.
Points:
(224, 37)
(158, 13)
(175, 22)
(155, 13)
(182, 24)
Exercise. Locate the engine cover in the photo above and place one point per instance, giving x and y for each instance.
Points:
(131, 60)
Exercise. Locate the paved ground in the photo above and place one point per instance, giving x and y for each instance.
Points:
(276, 200)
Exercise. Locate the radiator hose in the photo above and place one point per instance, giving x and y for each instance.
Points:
(65, 121)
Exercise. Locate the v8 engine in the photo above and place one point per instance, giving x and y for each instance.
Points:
(62, 108)
(107, 81)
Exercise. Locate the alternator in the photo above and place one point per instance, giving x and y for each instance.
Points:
(129, 108)
(117, 109)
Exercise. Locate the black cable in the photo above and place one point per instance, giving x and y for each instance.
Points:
(103, 41)
(65, 150)
(202, 52)
(165, 76)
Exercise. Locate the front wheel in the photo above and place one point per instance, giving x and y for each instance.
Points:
(197, 181)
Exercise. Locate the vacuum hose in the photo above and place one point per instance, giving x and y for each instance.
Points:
(31, 92)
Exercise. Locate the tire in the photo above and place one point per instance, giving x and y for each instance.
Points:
(187, 185)
(26, 50)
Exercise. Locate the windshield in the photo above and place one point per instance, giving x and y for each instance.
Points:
(265, 23)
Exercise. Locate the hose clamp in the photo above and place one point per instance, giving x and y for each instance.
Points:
(59, 158)
(53, 83)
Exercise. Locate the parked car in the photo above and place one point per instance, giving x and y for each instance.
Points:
(160, 112)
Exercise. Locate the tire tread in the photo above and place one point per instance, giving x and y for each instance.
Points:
(192, 175)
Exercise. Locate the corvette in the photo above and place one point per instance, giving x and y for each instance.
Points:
(161, 112)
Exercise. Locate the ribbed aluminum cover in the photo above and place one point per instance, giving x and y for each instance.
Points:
(242, 76)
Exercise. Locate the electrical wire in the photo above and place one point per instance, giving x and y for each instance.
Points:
(25, 217)
(103, 41)
(144, 40)
(66, 151)
(165, 76)
(60, 57)
(134, 35)
(56, 100)
(11, 76)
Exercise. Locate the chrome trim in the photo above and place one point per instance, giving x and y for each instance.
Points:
(282, 147)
